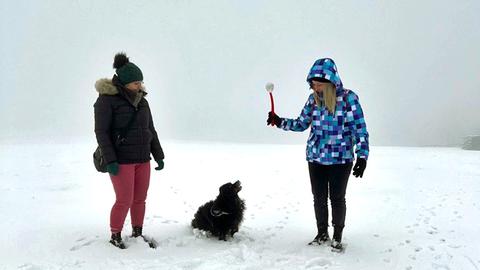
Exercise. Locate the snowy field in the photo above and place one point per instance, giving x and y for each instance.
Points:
(415, 208)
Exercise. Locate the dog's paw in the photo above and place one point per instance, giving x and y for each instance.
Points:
(199, 233)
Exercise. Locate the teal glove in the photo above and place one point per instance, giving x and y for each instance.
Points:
(112, 168)
(160, 165)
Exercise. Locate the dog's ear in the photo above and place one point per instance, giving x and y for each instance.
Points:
(225, 187)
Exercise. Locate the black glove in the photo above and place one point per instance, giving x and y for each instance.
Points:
(160, 165)
(273, 119)
(359, 167)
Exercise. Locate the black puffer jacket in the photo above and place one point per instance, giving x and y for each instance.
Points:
(113, 110)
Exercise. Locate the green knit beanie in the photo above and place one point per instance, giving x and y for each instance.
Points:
(127, 72)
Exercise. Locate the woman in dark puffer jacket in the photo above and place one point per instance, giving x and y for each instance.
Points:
(121, 100)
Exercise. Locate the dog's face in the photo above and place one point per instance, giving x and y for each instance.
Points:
(230, 188)
(222, 204)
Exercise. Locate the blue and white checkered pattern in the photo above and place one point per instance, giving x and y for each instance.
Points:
(325, 68)
(332, 137)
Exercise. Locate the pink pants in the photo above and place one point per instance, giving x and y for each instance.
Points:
(131, 186)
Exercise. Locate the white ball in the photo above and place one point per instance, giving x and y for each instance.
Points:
(269, 86)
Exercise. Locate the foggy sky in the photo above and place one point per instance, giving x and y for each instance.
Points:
(414, 65)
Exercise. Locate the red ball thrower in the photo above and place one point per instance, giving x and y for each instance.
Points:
(269, 86)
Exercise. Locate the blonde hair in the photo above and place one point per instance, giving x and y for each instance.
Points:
(329, 98)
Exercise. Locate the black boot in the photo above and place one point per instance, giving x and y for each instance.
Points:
(116, 240)
(321, 238)
(136, 231)
(337, 239)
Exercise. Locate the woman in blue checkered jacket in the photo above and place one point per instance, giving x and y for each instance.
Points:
(337, 129)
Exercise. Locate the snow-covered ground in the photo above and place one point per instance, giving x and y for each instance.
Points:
(415, 208)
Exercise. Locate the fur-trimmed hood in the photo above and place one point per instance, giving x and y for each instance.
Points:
(105, 86)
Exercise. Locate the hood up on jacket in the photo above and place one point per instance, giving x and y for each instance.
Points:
(325, 68)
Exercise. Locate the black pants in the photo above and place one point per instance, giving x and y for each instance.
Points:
(325, 180)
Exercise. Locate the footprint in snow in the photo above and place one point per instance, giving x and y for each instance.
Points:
(192, 264)
(170, 222)
(29, 266)
(270, 236)
(280, 260)
(432, 232)
(83, 242)
(317, 262)
(440, 266)
(173, 189)
(241, 237)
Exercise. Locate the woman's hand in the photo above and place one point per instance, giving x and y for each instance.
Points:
(160, 165)
(359, 167)
(112, 168)
(273, 119)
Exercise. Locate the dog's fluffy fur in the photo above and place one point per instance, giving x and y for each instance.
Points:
(222, 216)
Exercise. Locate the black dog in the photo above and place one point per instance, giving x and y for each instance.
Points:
(222, 216)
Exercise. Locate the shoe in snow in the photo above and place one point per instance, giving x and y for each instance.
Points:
(152, 243)
(136, 231)
(337, 234)
(116, 240)
(320, 239)
(337, 246)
